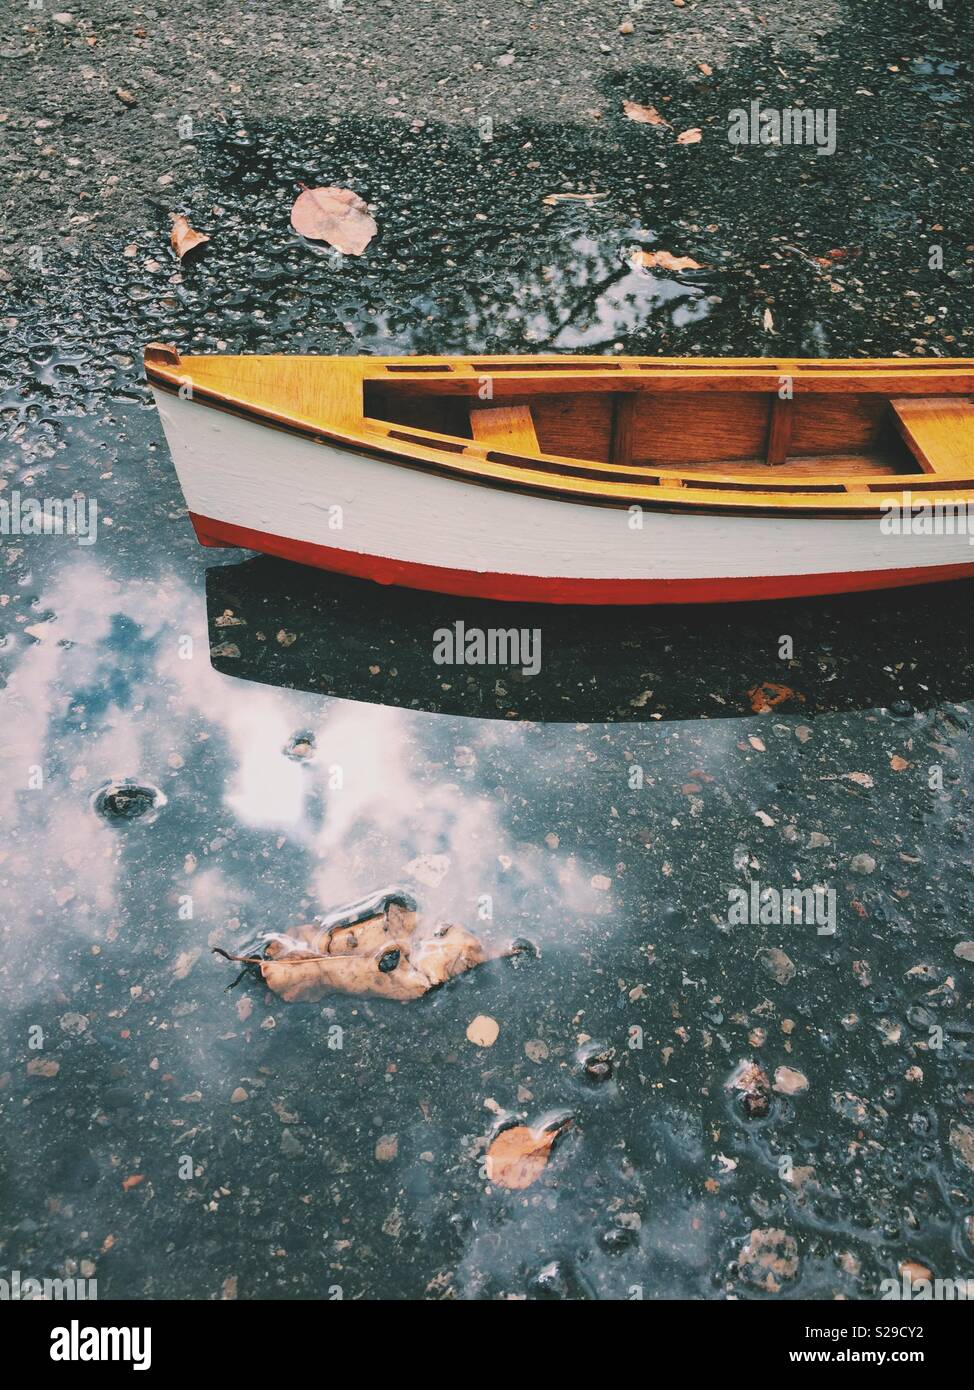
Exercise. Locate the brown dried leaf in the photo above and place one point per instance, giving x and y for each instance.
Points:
(183, 238)
(768, 694)
(690, 137)
(552, 198)
(483, 1030)
(749, 1077)
(384, 956)
(335, 215)
(769, 1254)
(518, 1156)
(39, 1066)
(646, 260)
(789, 1082)
(645, 115)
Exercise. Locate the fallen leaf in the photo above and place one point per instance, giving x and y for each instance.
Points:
(483, 1031)
(183, 238)
(132, 1181)
(39, 1067)
(861, 779)
(769, 1254)
(646, 260)
(645, 115)
(126, 97)
(387, 1148)
(430, 869)
(836, 254)
(962, 1142)
(749, 1077)
(553, 198)
(518, 1156)
(185, 962)
(751, 1080)
(788, 1082)
(378, 948)
(897, 763)
(768, 321)
(706, 69)
(860, 969)
(690, 137)
(778, 964)
(768, 694)
(335, 215)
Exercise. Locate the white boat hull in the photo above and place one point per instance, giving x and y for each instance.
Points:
(342, 509)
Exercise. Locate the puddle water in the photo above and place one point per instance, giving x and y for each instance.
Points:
(202, 747)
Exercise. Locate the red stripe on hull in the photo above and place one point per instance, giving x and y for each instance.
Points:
(529, 588)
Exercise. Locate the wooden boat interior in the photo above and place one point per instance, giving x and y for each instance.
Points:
(744, 426)
(846, 434)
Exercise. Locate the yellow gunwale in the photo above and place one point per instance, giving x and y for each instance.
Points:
(335, 414)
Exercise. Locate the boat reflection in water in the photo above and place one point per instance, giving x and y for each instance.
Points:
(286, 625)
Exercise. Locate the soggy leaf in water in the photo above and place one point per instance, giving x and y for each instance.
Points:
(385, 949)
(769, 1256)
(646, 260)
(518, 1156)
(335, 215)
(183, 238)
(645, 115)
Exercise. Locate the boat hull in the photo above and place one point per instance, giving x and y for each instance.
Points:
(346, 510)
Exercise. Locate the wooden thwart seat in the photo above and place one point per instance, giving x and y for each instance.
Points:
(507, 427)
(939, 431)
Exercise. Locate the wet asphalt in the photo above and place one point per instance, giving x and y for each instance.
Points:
(188, 1142)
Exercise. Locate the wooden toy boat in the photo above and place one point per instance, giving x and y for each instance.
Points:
(580, 479)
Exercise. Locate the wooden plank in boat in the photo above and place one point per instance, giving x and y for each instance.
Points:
(850, 422)
(779, 431)
(940, 433)
(682, 430)
(505, 427)
(623, 429)
(883, 381)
